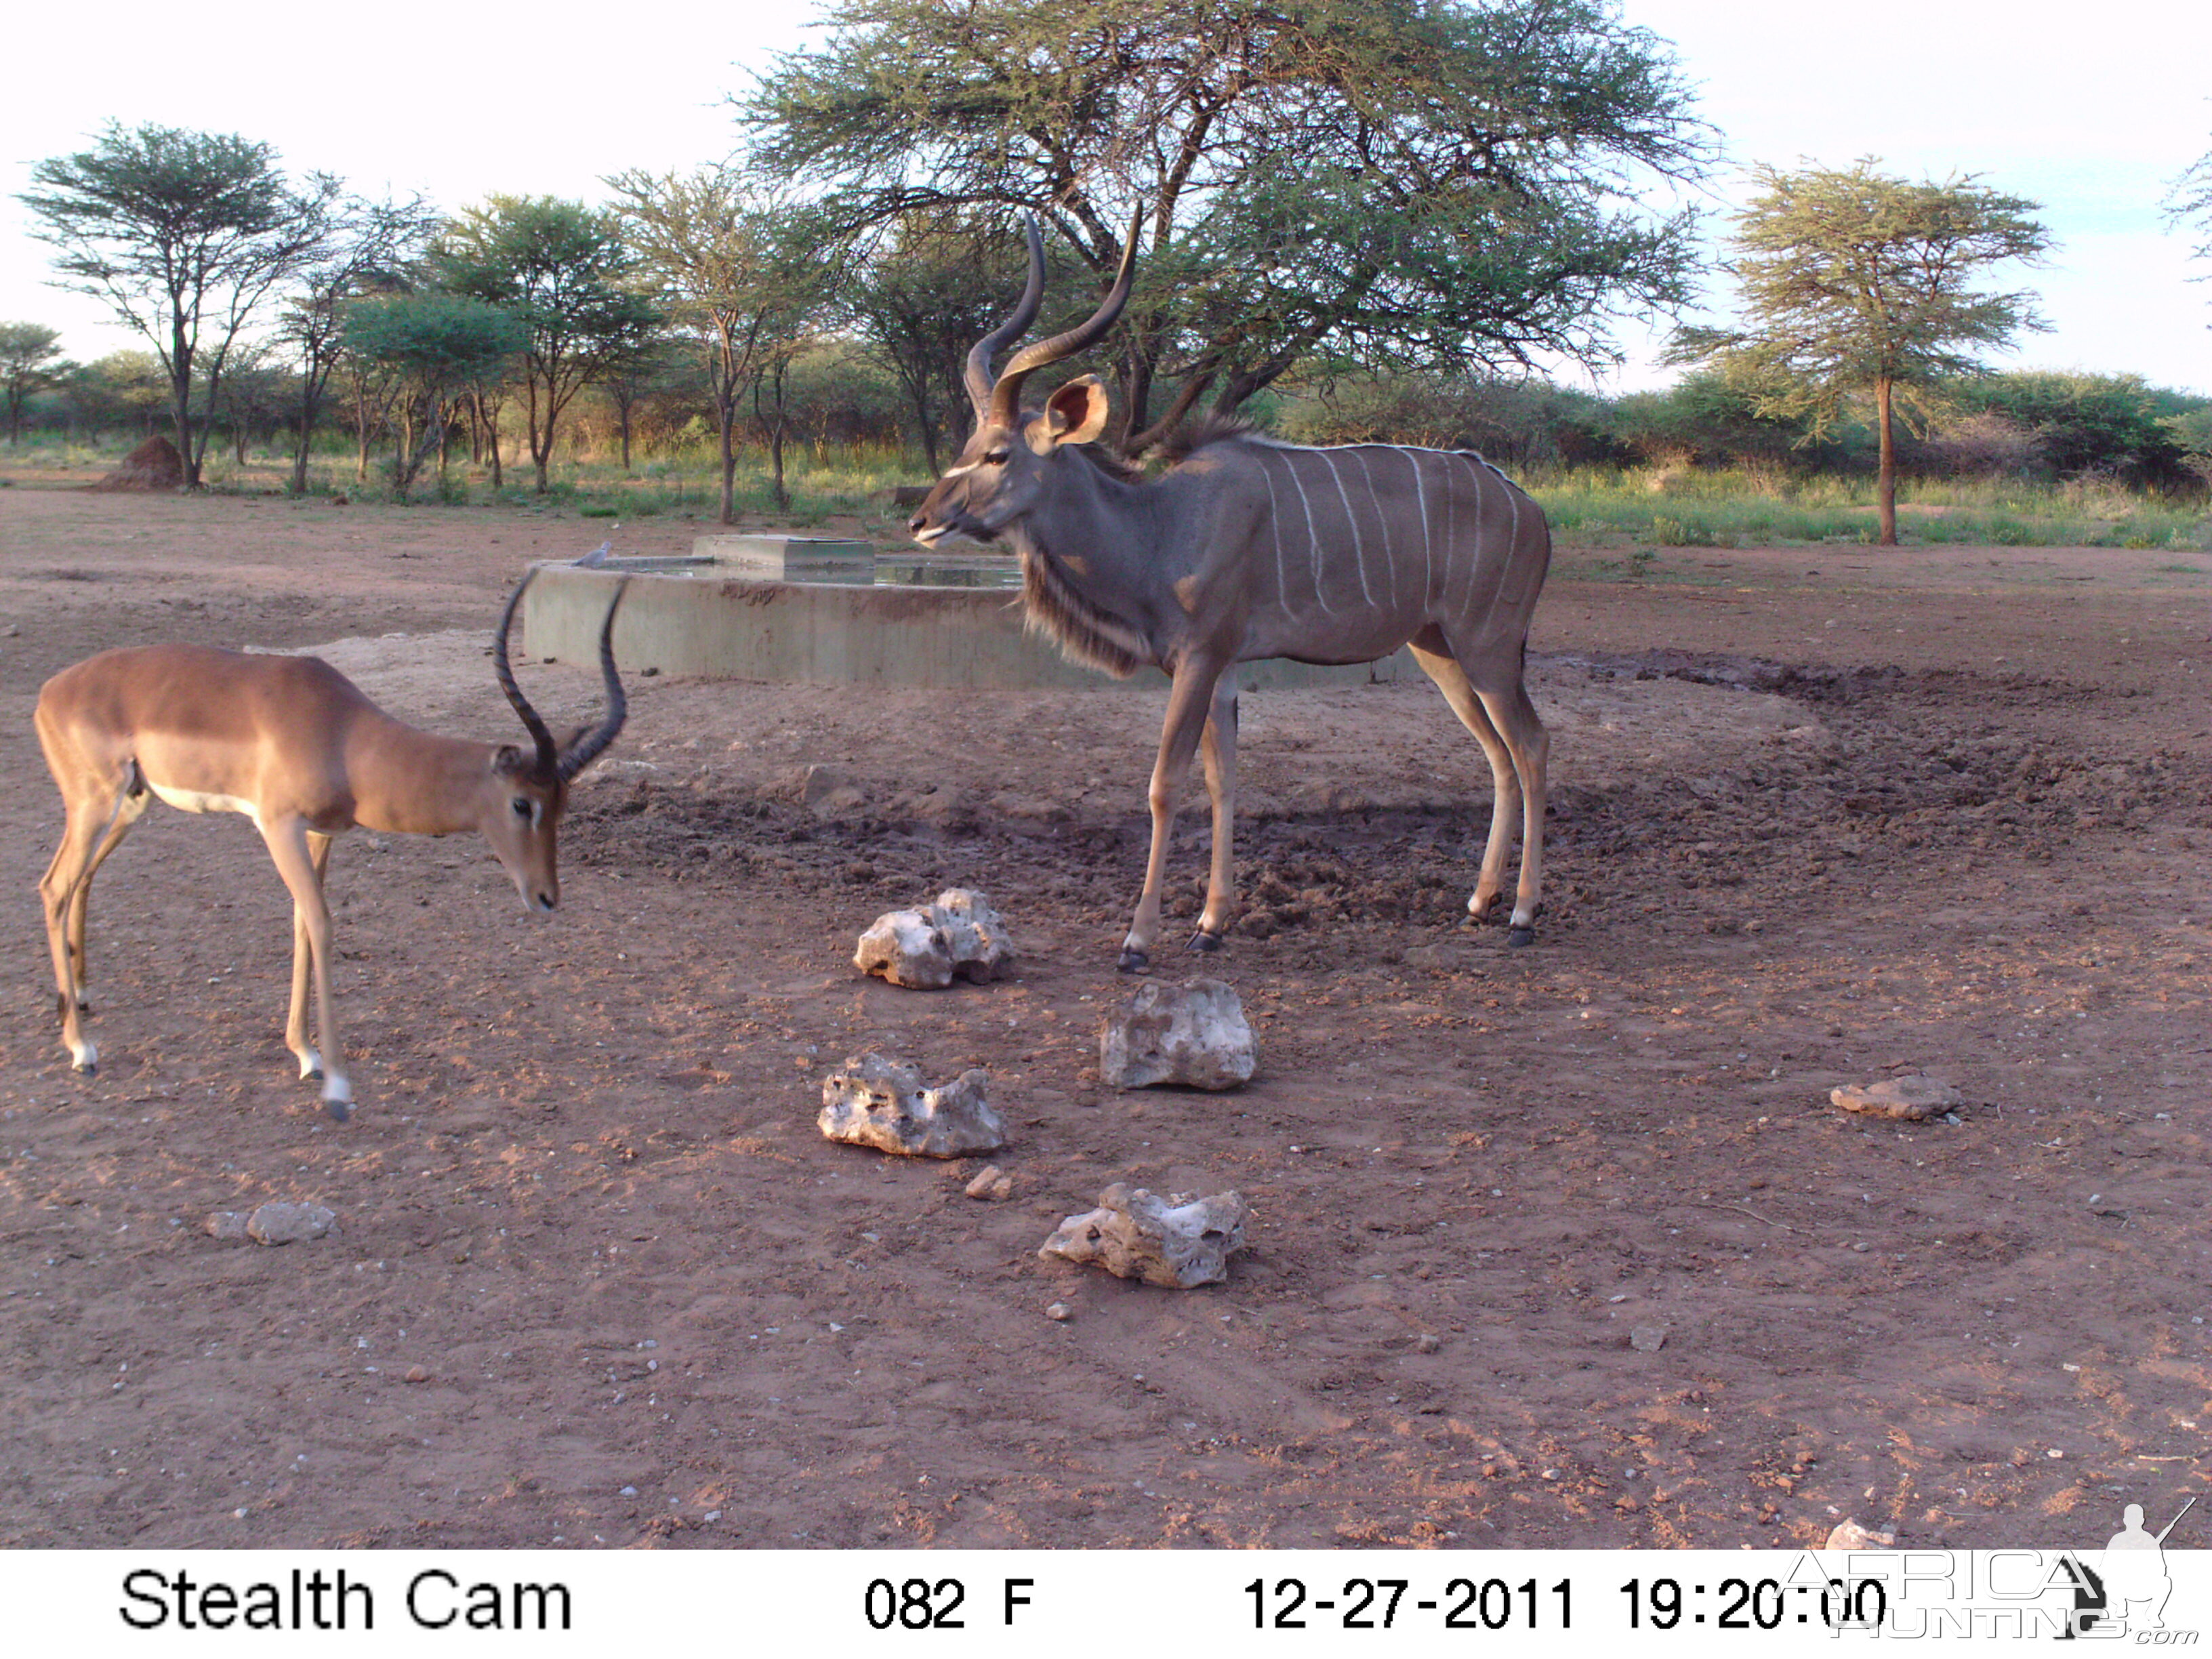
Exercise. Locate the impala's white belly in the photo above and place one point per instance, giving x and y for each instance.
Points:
(196, 800)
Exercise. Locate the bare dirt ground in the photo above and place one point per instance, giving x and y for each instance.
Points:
(1821, 814)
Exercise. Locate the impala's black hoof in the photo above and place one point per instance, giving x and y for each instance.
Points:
(312, 1074)
(89, 1068)
(1521, 936)
(1204, 942)
(339, 1110)
(1133, 962)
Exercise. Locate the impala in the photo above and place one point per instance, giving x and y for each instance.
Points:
(294, 745)
(1247, 547)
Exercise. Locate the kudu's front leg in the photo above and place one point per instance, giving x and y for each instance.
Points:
(1218, 749)
(1190, 699)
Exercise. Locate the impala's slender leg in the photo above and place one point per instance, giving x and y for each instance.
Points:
(59, 889)
(1504, 780)
(288, 845)
(129, 809)
(295, 1024)
(1189, 698)
(1218, 749)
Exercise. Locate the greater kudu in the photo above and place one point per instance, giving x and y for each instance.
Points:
(1246, 548)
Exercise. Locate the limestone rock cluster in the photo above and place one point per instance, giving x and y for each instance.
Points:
(926, 949)
(871, 1101)
(1179, 1241)
(1194, 1034)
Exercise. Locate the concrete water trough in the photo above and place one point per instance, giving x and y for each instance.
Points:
(799, 609)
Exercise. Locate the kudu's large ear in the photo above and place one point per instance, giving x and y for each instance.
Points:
(1076, 414)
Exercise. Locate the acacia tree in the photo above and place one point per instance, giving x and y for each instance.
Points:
(1856, 284)
(370, 248)
(436, 346)
(560, 268)
(736, 271)
(1435, 183)
(30, 362)
(934, 285)
(185, 235)
(2190, 202)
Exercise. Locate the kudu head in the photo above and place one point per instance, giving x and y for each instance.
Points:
(523, 794)
(1005, 468)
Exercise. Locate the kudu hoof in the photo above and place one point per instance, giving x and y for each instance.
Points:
(1521, 936)
(1203, 942)
(1133, 962)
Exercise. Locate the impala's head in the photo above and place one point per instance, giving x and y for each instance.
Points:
(524, 794)
(1007, 466)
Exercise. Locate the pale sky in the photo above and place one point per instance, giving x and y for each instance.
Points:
(2088, 111)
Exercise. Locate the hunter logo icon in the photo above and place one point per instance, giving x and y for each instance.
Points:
(2135, 1580)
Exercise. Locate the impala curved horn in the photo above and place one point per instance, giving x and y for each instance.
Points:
(585, 749)
(549, 752)
(978, 373)
(552, 760)
(1006, 395)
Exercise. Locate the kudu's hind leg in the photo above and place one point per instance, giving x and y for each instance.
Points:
(1505, 804)
(1530, 746)
(1190, 699)
(1217, 750)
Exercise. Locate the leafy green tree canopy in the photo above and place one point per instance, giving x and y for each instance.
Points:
(1433, 183)
(30, 362)
(562, 269)
(437, 344)
(185, 235)
(1855, 283)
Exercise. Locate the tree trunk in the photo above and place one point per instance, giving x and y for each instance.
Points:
(1886, 481)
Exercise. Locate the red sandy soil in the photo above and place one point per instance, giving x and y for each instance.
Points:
(1821, 814)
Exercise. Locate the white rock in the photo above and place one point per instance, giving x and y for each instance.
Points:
(1194, 1034)
(960, 936)
(871, 1101)
(991, 1184)
(1912, 1096)
(276, 1222)
(908, 948)
(229, 1225)
(982, 950)
(1180, 1242)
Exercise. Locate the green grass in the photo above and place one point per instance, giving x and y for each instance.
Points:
(1601, 507)
(1679, 508)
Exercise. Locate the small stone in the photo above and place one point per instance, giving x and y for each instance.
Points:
(990, 1184)
(1058, 1311)
(871, 1101)
(982, 950)
(1194, 1034)
(1179, 1242)
(228, 1225)
(1428, 1342)
(1648, 1338)
(416, 1374)
(288, 1223)
(1850, 1536)
(1911, 1097)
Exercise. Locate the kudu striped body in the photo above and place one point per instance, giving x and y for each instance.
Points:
(294, 745)
(1245, 548)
